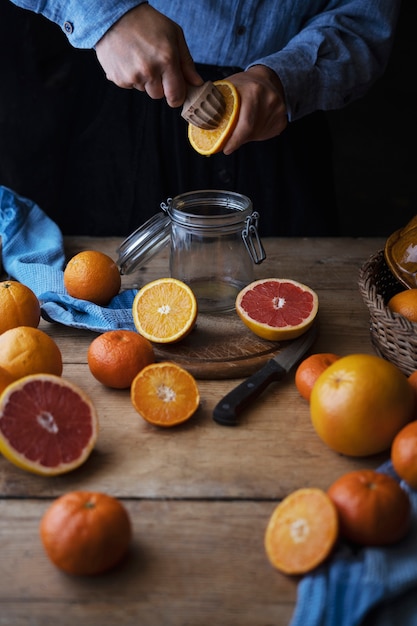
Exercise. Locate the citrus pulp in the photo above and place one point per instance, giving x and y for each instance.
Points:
(164, 310)
(165, 394)
(302, 531)
(48, 425)
(277, 308)
(208, 142)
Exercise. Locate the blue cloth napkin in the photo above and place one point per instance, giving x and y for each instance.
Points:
(379, 584)
(33, 253)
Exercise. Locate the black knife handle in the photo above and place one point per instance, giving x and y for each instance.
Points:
(227, 410)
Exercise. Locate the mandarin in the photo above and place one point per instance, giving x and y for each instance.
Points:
(302, 531)
(404, 454)
(18, 306)
(373, 509)
(412, 379)
(405, 303)
(117, 356)
(86, 533)
(25, 350)
(208, 142)
(92, 275)
(310, 369)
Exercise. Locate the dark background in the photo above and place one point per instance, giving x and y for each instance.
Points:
(375, 144)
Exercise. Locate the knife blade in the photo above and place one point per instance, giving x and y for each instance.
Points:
(227, 411)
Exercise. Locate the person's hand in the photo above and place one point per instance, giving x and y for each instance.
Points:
(262, 112)
(146, 50)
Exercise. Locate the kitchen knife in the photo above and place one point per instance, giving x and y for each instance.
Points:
(226, 412)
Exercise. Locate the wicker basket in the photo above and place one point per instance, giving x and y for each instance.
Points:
(393, 336)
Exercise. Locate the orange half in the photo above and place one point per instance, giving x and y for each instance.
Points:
(208, 142)
(165, 394)
(164, 310)
(302, 531)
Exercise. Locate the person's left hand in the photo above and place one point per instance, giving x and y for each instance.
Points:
(262, 112)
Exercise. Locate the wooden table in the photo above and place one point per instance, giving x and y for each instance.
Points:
(199, 495)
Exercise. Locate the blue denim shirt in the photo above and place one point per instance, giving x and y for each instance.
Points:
(326, 52)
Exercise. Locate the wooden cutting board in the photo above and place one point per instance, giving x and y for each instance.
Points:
(220, 346)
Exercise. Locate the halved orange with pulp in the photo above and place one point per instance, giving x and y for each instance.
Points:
(208, 142)
(164, 310)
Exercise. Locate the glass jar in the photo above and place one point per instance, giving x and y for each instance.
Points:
(214, 244)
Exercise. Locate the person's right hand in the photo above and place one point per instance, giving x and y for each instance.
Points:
(146, 50)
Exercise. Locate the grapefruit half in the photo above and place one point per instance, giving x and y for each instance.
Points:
(277, 308)
(48, 425)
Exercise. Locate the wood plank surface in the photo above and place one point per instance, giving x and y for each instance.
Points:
(199, 495)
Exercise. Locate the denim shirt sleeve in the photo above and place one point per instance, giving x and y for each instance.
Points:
(83, 22)
(336, 57)
(325, 52)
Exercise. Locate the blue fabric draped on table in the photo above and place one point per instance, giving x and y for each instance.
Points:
(374, 583)
(33, 253)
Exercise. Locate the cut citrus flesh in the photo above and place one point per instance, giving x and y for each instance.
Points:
(302, 531)
(164, 310)
(208, 142)
(48, 425)
(165, 394)
(277, 308)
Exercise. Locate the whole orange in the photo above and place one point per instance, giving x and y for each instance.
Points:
(92, 275)
(18, 306)
(5, 379)
(86, 533)
(404, 454)
(25, 350)
(373, 509)
(116, 356)
(310, 369)
(412, 379)
(405, 303)
(359, 403)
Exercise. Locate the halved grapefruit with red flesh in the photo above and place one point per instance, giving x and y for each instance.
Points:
(277, 308)
(48, 425)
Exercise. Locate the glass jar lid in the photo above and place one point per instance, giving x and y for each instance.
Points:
(144, 243)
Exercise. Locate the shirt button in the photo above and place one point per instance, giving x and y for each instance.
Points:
(241, 30)
(68, 27)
